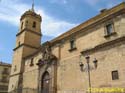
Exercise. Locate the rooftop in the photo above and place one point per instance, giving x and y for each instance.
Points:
(107, 13)
(4, 64)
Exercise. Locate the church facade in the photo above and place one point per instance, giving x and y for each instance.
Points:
(90, 55)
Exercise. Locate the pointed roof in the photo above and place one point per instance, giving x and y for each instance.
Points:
(32, 9)
(31, 12)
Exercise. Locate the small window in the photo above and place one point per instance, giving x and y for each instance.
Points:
(72, 44)
(22, 25)
(115, 75)
(34, 25)
(31, 63)
(109, 29)
(19, 43)
(26, 23)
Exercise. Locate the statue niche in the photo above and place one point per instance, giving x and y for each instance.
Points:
(47, 56)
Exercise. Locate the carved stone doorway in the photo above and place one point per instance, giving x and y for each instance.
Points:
(45, 84)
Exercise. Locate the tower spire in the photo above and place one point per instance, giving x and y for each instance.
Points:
(32, 5)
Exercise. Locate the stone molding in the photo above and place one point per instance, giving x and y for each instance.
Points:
(103, 45)
(24, 45)
(105, 16)
(28, 30)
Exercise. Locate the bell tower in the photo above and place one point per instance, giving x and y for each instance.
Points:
(28, 40)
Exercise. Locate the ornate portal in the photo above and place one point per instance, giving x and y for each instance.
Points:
(47, 71)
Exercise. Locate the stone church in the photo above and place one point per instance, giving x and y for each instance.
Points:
(90, 55)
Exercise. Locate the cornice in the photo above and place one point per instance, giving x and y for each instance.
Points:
(15, 74)
(30, 13)
(103, 45)
(24, 45)
(40, 49)
(6, 65)
(102, 17)
(29, 30)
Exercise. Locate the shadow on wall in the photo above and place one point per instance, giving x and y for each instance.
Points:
(29, 90)
(24, 90)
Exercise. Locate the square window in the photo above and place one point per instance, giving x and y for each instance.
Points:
(115, 75)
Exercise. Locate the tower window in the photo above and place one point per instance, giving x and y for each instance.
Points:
(22, 25)
(34, 24)
(26, 23)
(115, 75)
(19, 43)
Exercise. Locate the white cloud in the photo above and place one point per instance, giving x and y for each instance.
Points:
(59, 1)
(53, 27)
(10, 11)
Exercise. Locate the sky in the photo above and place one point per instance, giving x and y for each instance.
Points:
(58, 16)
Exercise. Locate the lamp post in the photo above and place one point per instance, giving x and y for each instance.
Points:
(88, 69)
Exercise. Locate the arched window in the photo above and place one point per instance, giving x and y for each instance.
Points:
(45, 84)
(26, 23)
(19, 43)
(34, 24)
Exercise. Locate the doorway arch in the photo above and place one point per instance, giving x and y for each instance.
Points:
(45, 82)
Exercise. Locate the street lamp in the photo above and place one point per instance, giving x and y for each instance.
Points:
(82, 67)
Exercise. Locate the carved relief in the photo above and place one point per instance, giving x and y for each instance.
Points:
(47, 56)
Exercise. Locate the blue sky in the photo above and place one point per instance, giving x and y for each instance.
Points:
(58, 16)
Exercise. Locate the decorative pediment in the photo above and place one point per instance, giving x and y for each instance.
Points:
(47, 56)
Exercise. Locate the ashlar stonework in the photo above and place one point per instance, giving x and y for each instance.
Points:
(54, 66)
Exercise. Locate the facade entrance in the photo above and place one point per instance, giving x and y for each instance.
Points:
(45, 87)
